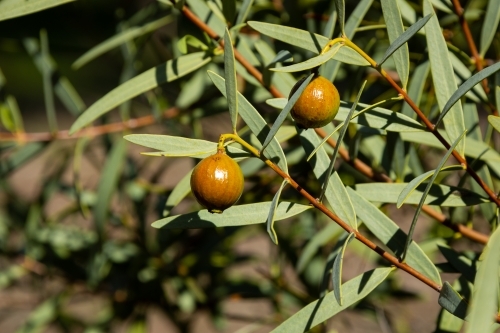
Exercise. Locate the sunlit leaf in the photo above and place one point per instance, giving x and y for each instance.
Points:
(392, 236)
(416, 87)
(427, 189)
(200, 8)
(255, 122)
(233, 216)
(311, 62)
(337, 147)
(411, 186)
(450, 300)
(230, 76)
(243, 12)
(336, 193)
(439, 195)
(14, 8)
(320, 310)
(495, 122)
(443, 77)
(484, 302)
(308, 41)
(465, 87)
(490, 25)
(118, 39)
(398, 38)
(337, 270)
(170, 71)
(176, 146)
(272, 213)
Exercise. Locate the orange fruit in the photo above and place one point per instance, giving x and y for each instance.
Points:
(217, 182)
(317, 105)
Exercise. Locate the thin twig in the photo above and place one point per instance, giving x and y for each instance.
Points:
(368, 171)
(90, 131)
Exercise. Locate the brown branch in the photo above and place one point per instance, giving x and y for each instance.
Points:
(356, 163)
(90, 131)
(368, 171)
(470, 41)
(433, 129)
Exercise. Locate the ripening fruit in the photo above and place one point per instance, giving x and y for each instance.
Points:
(217, 182)
(318, 104)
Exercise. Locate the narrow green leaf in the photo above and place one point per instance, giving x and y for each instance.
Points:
(272, 213)
(278, 103)
(80, 146)
(176, 146)
(119, 39)
(304, 39)
(448, 323)
(255, 122)
(337, 270)
(286, 110)
(192, 41)
(14, 114)
(311, 62)
(460, 262)
(330, 69)
(336, 193)
(427, 189)
(340, 5)
(407, 11)
(484, 295)
(69, 96)
(229, 9)
(450, 300)
(230, 75)
(48, 91)
(400, 39)
(170, 71)
(495, 122)
(216, 11)
(108, 182)
(14, 8)
(180, 191)
(416, 88)
(200, 8)
(463, 73)
(392, 17)
(439, 195)
(443, 77)
(411, 186)
(465, 87)
(320, 310)
(245, 8)
(233, 216)
(340, 140)
(329, 232)
(392, 236)
(490, 25)
(20, 156)
(330, 24)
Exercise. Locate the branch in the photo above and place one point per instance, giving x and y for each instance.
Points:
(89, 131)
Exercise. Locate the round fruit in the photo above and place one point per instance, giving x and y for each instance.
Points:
(217, 182)
(318, 104)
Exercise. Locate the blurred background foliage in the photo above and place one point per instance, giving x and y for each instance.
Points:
(61, 273)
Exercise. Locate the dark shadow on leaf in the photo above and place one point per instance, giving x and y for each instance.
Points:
(311, 318)
(189, 221)
(315, 41)
(397, 242)
(364, 280)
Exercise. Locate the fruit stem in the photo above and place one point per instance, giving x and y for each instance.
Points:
(318, 205)
(331, 43)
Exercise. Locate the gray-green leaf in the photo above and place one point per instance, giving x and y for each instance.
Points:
(233, 216)
(167, 72)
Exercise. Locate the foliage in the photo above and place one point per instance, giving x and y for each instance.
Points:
(122, 231)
